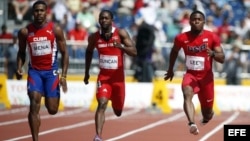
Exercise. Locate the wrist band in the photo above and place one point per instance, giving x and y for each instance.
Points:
(63, 77)
(122, 46)
(213, 54)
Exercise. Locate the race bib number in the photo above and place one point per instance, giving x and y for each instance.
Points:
(40, 48)
(108, 62)
(195, 63)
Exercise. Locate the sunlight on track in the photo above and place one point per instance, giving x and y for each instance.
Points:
(80, 124)
(152, 125)
(217, 128)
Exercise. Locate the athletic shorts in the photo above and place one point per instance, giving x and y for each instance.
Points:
(203, 87)
(114, 91)
(44, 82)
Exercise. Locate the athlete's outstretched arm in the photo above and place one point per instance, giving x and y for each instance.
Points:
(128, 45)
(88, 57)
(61, 43)
(21, 54)
(173, 55)
(219, 55)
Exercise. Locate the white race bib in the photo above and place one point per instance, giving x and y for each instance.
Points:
(108, 62)
(40, 48)
(195, 63)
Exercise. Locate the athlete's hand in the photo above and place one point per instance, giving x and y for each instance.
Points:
(210, 52)
(118, 45)
(19, 74)
(63, 84)
(169, 75)
(86, 79)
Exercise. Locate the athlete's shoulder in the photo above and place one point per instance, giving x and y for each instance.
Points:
(23, 32)
(93, 37)
(208, 32)
(182, 35)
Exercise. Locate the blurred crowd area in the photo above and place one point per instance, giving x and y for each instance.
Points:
(230, 19)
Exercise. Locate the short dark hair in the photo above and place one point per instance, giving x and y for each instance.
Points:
(39, 2)
(197, 12)
(108, 11)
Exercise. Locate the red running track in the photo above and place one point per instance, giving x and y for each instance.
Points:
(77, 124)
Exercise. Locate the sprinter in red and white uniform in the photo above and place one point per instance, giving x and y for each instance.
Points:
(111, 44)
(200, 47)
(44, 40)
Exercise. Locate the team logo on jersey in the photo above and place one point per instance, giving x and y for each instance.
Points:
(49, 31)
(115, 38)
(197, 48)
(55, 72)
(205, 40)
(99, 41)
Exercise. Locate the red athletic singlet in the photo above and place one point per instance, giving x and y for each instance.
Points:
(199, 73)
(110, 83)
(111, 59)
(197, 60)
(42, 47)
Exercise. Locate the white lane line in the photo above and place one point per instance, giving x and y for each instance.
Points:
(217, 128)
(80, 124)
(13, 111)
(149, 126)
(60, 114)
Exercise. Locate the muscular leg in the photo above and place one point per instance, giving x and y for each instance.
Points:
(189, 109)
(33, 116)
(100, 115)
(52, 104)
(206, 98)
(188, 104)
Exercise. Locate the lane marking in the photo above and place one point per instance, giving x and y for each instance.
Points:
(80, 124)
(149, 126)
(13, 111)
(220, 126)
(60, 114)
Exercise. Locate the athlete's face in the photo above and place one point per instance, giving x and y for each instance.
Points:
(105, 20)
(39, 13)
(197, 22)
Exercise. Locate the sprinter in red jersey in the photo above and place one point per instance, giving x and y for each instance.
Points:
(44, 40)
(111, 44)
(200, 47)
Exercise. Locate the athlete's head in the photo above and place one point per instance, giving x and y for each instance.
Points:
(39, 10)
(197, 21)
(105, 19)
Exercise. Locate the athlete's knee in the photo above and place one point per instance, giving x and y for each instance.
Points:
(187, 93)
(52, 111)
(118, 112)
(102, 104)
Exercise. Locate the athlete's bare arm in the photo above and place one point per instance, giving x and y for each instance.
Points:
(21, 54)
(88, 57)
(219, 55)
(61, 43)
(173, 55)
(129, 46)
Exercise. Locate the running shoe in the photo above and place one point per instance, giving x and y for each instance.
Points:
(97, 138)
(193, 129)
